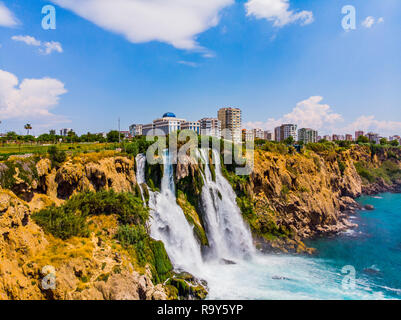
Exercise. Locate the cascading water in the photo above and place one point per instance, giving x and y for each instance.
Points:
(228, 235)
(170, 225)
(140, 172)
(253, 276)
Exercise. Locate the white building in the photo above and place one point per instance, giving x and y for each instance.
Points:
(167, 124)
(258, 134)
(135, 130)
(191, 125)
(210, 127)
(285, 131)
(307, 135)
(247, 135)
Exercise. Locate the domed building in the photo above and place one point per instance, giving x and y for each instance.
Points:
(169, 115)
(167, 123)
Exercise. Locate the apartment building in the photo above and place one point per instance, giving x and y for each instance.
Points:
(231, 123)
(191, 125)
(210, 127)
(307, 135)
(285, 131)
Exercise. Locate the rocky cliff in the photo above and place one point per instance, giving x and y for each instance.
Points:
(288, 197)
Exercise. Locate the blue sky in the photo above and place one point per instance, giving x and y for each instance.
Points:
(278, 60)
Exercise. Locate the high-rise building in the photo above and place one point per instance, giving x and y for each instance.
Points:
(358, 134)
(258, 134)
(373, 137)
(307, 135)
(285, 131)
(231, 122)
(210, 127)
(191, 125)
(64, 132)
(247, 135)
(335, 137)
(136, 130)
(348, 137)
(267, 135)
(327, 138)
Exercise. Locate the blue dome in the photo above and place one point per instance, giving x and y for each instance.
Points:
(169, 115)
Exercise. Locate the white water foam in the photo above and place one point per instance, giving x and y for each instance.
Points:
(254, 275)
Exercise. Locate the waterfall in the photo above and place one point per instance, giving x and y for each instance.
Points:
(228, 235)
(169, 225)
(140, 172)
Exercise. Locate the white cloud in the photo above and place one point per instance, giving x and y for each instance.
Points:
(176, 22)
(370, 21)
(46, 47)
(278, 12)
(7, 18)
(189, 63)
(370, 123)
(51, 46)
(311, 113)
(31, 98)
(28, 40)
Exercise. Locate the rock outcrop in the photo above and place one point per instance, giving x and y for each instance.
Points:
(82, 268)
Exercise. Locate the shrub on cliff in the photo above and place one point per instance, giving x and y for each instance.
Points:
(388, 171)
(70, 219)
(146, 250)
(56, 156)
(126, 206)
(62, 223)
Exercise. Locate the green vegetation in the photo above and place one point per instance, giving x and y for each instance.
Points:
(62, 223)
(388, 171)
(341, 166)
(272, 146)
(192, 217)
(26, 169)
(70, 219)
(56, 157)
(146, 250)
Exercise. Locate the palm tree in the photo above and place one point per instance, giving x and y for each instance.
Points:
(27, 128)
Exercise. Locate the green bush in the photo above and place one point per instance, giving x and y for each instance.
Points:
(388, 171)
(341, 166)
(62, 223)
(70, 219)
(126, 206)
(146, 250)
(56, 157)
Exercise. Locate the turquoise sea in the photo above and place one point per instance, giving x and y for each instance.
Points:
(372, 251)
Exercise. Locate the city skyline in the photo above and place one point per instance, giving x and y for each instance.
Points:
(267, 63)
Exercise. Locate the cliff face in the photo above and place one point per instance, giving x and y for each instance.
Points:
(84, 268)
(287, 198)
(291, 197)
(308, 193)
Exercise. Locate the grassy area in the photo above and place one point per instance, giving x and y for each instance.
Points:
(34, 148)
